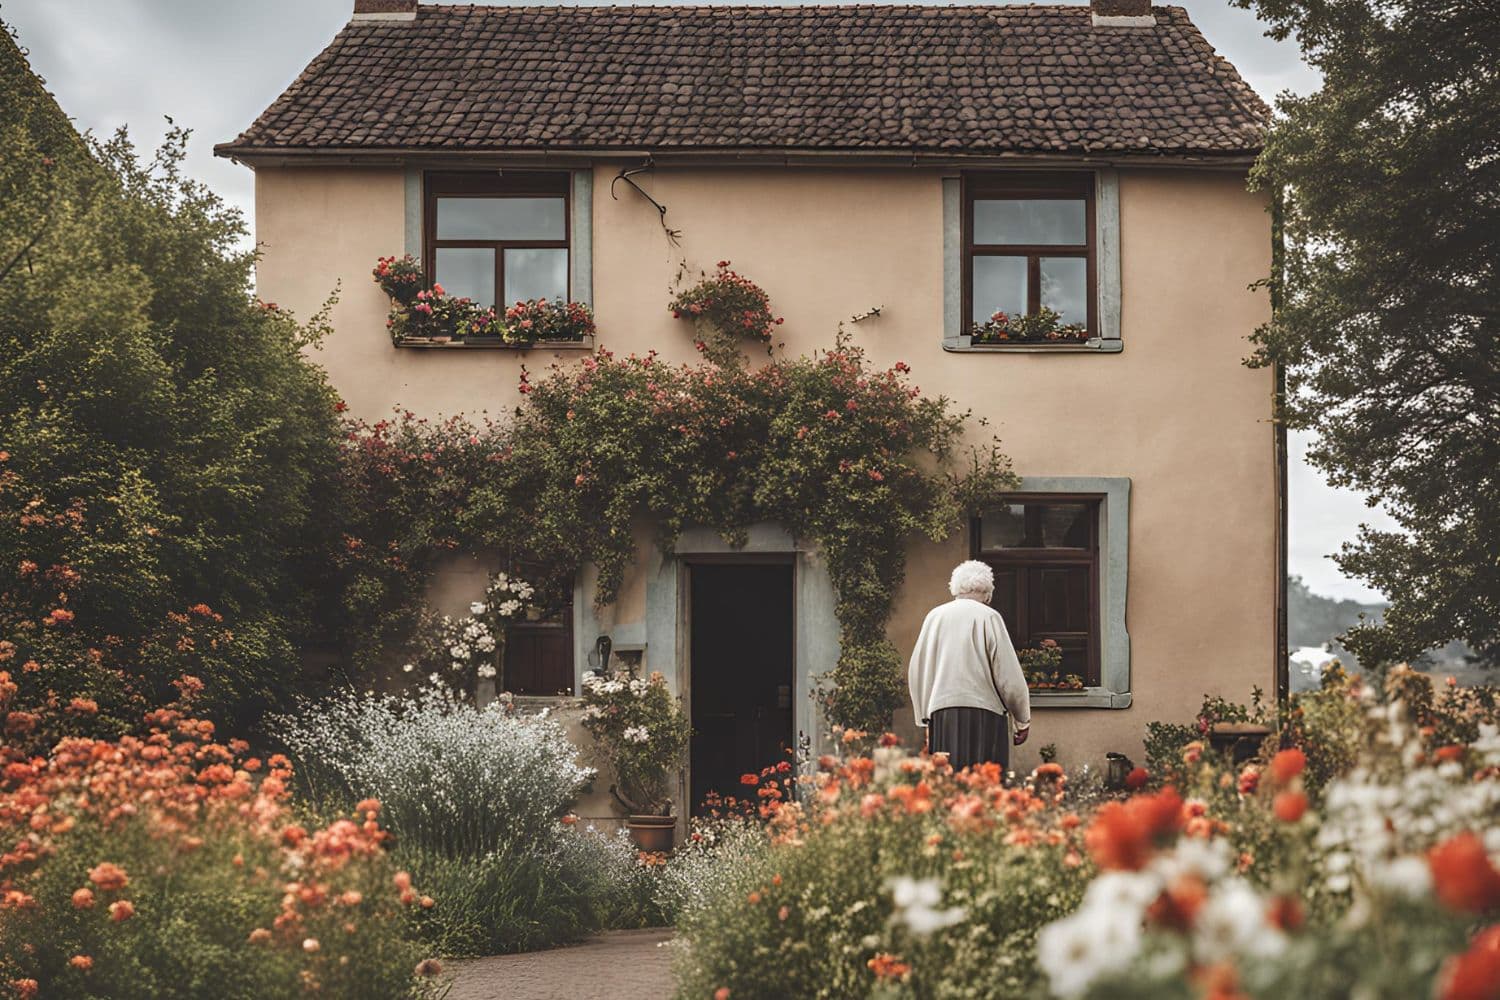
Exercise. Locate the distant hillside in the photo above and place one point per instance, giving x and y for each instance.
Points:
(1314, 621)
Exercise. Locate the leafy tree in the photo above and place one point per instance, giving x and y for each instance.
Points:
(1389, 297)
(167, 456)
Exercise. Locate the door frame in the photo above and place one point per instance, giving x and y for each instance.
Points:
(662, 636)
(684, 685)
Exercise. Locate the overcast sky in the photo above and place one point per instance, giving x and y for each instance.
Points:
(213, 65)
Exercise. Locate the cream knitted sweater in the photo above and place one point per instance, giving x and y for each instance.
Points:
(964, 659)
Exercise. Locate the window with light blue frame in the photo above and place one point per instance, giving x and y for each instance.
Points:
(1021, 244)
(501, 236)
(1059, 546)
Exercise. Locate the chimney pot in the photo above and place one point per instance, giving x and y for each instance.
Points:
(1122, 13)
(385, 10)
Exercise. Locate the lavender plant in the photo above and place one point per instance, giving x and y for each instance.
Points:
(453, 778)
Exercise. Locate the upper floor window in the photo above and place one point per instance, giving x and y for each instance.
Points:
(498, 238)
(1029, 244)
(1044, 549)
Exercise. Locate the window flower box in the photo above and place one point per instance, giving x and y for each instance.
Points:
(1043, 669)
(1042, 327)
(430, 317)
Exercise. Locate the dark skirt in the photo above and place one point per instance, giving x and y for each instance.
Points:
(970, 736)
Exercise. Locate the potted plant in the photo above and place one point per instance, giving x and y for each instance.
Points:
(538, 319)
(399, 277)
(1043, 668)
(481, 324)
(641, 727)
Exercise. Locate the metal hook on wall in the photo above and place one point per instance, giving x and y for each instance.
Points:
(627, 175)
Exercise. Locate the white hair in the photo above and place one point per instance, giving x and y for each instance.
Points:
(972, 579)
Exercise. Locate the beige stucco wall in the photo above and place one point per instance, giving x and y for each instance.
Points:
(1176, 411)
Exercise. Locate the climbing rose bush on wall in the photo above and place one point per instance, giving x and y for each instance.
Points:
(726, 307)
(843, 454)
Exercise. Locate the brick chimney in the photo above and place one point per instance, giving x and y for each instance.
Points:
(385, 10)
(1122, 13)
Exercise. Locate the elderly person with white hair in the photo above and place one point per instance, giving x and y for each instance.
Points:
(965, 677)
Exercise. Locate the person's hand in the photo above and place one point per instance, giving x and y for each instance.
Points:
(1021, 735)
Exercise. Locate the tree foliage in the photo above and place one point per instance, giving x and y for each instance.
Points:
(164, 446)
(1388, 321)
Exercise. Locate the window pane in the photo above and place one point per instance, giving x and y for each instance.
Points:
(467, 272)
(1003, 528)
(1066, 525)
(1065, 287)
(500, 219)
(1029, 221)
(1059, 599)
(999, 286)
(535, 274)
(1037, 525)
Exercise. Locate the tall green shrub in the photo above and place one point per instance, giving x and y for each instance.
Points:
(165, 443)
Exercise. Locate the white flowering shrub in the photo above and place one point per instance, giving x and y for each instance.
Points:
(643, 732)
(462, 650)
(456, 779)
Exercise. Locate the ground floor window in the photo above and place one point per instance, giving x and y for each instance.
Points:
(1044, 549)
(539, 651)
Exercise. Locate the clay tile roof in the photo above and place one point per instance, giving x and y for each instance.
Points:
(989, 80)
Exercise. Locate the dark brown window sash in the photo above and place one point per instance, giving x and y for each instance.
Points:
(493, 184)
(1026, 561)
(1060, 186)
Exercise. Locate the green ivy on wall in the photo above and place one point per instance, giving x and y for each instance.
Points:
(838, 452)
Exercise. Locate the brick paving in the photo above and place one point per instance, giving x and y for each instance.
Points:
(618, 965)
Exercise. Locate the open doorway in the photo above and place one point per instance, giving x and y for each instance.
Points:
(741, 663)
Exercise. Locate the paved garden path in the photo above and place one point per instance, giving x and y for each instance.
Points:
(619, 965)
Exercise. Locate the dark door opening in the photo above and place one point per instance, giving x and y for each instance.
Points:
(741, 664)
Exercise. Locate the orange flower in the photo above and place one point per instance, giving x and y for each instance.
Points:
(260, 936)
(753, 898)
(121, 910)
(1474, 975)
(1123, 835)
(402, 880)
(83, 899)
(749, 779)
(1178, 905)
(1462, 875)
(83, 962)
(722, 993)
(888, 966)
(429, 967)
(83, 706)
(368, 806)
(427, 902)
(1137, 779)
(109, 876)
(1285, 913)
(351, 898)
(1289, 806)
(24, 989)
(1449, 753)
(1287, 764)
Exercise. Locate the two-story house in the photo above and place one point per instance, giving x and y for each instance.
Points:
(940, 163)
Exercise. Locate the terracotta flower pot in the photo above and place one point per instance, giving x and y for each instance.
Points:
(652, 833)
